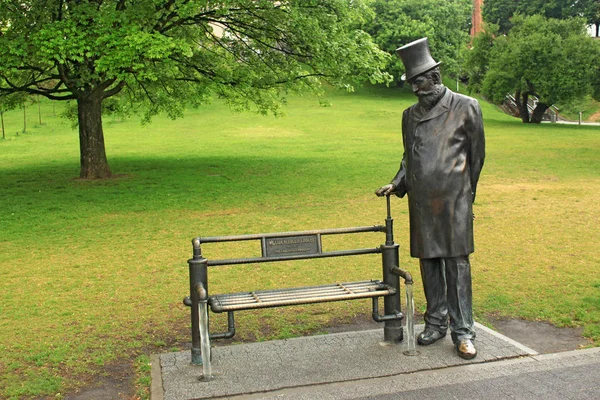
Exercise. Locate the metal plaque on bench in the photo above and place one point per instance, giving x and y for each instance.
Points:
(292, 246)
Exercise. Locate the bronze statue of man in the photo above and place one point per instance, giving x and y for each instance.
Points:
(444, 149)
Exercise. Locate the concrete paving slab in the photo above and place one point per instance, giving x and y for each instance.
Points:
(316, 360)
(522, 378)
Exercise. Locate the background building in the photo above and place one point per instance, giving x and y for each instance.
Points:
(477, 24)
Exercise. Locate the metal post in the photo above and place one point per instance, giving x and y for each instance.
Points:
(198, 275)
(392, 331)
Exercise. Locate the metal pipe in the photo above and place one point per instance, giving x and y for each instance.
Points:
(236, 307)
(348, 287)
(230, 328)
(384, 318)
(376, 284)
(336, 231)
(253, 260)
(392, 331)
(402, 273)
(253, 297)
(389, 224)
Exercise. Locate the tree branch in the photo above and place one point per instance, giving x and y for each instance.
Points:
(62, 71)
(114, 90)
(7, 91)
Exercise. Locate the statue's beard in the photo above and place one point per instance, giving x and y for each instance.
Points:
(429, 99)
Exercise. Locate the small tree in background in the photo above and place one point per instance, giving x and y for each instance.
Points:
(2, 122)
(11, 102)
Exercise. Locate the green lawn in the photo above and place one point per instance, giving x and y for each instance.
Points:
(94, 272)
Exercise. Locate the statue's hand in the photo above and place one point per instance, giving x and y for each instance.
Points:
(385, 190)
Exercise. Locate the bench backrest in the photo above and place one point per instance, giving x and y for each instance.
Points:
(284, 246)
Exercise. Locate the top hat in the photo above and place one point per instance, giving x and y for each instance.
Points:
(416, 58)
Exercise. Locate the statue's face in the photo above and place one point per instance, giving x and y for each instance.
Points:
(422, 85)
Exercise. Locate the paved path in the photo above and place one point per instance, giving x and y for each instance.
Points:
(573, 123)
(560, 376)
(356, 365)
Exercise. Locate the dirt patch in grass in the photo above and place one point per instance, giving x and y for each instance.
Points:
(595, 117)
(117, 383)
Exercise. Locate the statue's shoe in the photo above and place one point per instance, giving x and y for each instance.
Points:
(466, 349)
(429, 336)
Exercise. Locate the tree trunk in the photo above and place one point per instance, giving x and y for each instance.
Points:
(2, 118)
(521, 100)
(39, 109)
(94, 164)
(538, 113)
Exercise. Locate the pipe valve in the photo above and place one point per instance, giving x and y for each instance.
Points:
(403, 274)
(202, 293)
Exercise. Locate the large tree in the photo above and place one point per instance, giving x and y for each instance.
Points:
(553, 60)
(169, 54)
(445, 23)
(500, 12)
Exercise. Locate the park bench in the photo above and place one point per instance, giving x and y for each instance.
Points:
(287, 246)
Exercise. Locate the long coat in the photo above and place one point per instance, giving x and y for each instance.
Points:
(444, 151)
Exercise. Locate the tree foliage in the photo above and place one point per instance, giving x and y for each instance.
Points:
(554, 60)
(398, 22)
(500, 12)
(10, 102)
(170, 54)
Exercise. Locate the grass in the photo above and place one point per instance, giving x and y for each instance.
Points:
(94, 271)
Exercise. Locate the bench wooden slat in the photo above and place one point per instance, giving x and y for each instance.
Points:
(297, 296)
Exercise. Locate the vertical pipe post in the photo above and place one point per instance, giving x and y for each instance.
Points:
(198, 274)
(392, 331)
